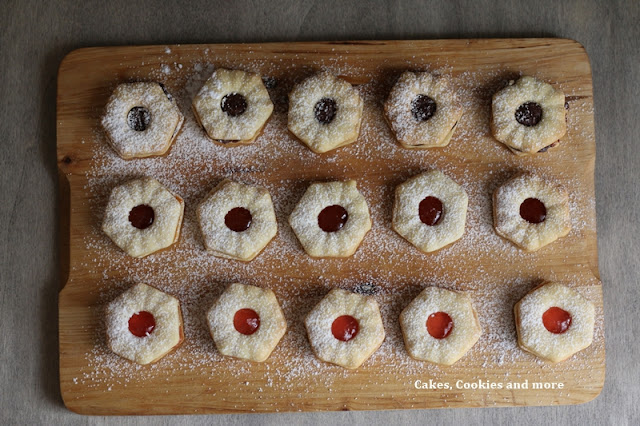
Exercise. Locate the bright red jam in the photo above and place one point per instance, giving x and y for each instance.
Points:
(345, 328)
(439, 325)
(246, 321)
(141, 324)
(556, 320)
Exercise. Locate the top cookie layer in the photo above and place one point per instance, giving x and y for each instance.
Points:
(233, 105)
(528, 115)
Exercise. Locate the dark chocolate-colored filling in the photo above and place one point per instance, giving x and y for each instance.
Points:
(423, 107)
(269, 82)
(142, 216)
(529, 114)
(368, 289)
(325, 110)
(332, 218)
(546, 148)
(233, 104)
(238, 219)
(166, 92)
(139, 118)
(430, 211)
(533, 210)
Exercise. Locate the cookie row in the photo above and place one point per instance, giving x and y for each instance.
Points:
(144, 324)
(331, 219)
(325, 113)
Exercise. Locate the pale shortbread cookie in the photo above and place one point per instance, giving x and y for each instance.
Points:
(132, 203)
(368, 338)
(528, 116)
(533, 335)
(509, 206)
(265, 331)
(325, 112)
(233, 106)
(413, 210)
(141, 120)
(423, 110)
(166, 335)
(237, 221)
(321, 198)
(461, 337)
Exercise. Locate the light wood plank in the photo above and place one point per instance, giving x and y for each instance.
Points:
(86, 79)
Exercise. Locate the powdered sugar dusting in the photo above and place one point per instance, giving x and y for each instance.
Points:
(494, 272)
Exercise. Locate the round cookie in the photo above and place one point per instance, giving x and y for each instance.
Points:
(440, 326)
(232, 106)
(554, 322)
(345, 328)
(528, 116)
(331, 219)
(422, 110)
(144, 324)
(246, 322)
(430, 211)
(141, 120)
(531, 212)
(142, 217)
(237, 221)
(325, 112)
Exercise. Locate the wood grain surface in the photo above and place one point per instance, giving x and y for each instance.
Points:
(489, 270)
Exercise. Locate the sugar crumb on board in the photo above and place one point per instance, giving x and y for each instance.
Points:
(383, 266)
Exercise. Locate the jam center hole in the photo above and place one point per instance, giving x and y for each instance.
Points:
(238, 219)
(430, 210)
(325, 110)
(141, 324)
(246, 321)
(138, 118)
(556, 320)
(439, 325)
(233, 104)
(332, 218)
(423, 107)
(345, 328)
(142, 216)
(533, 210)
(529, 114)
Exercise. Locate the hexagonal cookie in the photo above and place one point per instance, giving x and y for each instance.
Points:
(325, 112)
(345, 328)
(528, 116)
(430, 211)
(440, 326)
(144, 324)
(232, 106)
(246, 322)
(331, 219)
(531, 212)
(554, 322)
(422, 110)
(141, 120)
(237, 221)
(142, 217)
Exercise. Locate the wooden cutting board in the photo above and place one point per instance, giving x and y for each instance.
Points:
(196, 378)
